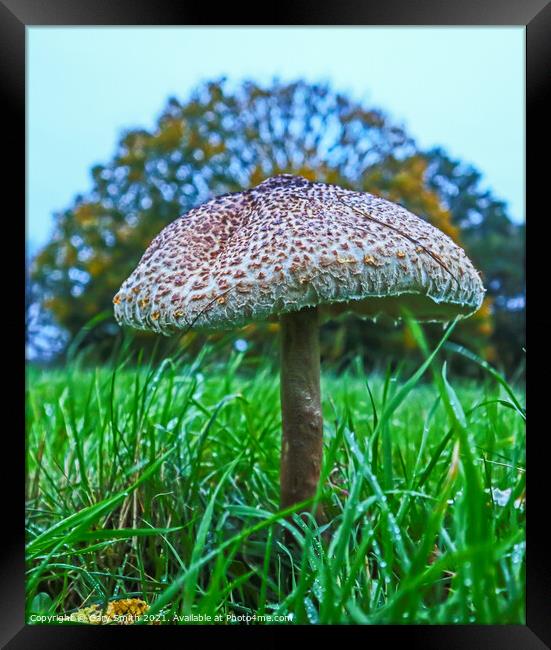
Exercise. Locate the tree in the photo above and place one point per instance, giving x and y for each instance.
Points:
(495, 244)
(224, 139)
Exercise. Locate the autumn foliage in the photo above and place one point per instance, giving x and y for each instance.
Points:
(226, 138)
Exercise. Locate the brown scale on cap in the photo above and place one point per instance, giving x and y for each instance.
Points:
(365, 254)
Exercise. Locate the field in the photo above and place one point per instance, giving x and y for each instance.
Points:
(160, 482)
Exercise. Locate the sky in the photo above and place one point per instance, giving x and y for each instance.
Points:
(460, 88)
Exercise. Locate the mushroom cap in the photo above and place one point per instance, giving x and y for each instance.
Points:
(288, 244)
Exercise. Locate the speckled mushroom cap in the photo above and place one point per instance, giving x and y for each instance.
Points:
(287, 244)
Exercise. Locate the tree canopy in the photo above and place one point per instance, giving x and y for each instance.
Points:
(226, 138)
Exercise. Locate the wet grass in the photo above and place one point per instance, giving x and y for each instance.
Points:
(160, 482)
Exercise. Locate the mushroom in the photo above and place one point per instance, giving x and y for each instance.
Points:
(297, 251)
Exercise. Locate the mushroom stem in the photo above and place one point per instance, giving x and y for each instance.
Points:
(302, 423)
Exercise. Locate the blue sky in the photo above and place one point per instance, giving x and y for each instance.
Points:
(462, 88)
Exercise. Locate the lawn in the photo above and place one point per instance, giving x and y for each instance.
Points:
(160, 482)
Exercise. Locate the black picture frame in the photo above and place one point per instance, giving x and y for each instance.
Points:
(15, 17)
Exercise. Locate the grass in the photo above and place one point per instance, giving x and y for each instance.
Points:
(160, 482)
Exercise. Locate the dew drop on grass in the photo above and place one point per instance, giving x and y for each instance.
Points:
(518, 504)
(501, 497)
(311, 611)
(241, 345)
(318, 589)
(518, 551)
(353, 444)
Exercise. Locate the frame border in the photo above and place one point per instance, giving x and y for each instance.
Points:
(15, 17)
